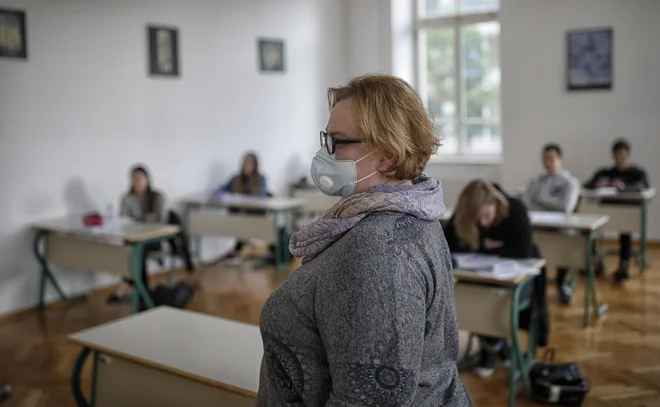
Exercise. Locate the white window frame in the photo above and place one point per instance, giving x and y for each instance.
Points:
(420, 71)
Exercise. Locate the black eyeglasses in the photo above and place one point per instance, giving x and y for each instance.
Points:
(330, 142)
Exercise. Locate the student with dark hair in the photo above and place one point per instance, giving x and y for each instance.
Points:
(249, 181)
(555, 190)
(623, 176)
(144, 204)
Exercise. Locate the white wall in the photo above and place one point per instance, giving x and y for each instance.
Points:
(367, 36)
(537, 108)
(81, 110)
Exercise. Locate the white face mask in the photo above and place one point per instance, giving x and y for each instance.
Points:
(336, 177)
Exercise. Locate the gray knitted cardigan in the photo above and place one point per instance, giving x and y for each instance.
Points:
(370, 321)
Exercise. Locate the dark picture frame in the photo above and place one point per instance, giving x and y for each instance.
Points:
(271, 55)
(163, 44)
(13, 33)
(590, 58)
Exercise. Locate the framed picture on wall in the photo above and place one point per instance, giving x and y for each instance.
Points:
(271, 55)
(163, 50)
(13, 38)
(590, 58)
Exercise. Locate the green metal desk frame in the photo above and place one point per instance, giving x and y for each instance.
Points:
(590, 291)
(134, 267)
(640, 255)
(520, 361)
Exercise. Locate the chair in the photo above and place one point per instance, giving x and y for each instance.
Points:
(178, 248)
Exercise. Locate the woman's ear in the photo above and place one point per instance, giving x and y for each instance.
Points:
(387, 161)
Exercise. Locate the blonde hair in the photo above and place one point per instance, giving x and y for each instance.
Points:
(392, 120)
(473, 196)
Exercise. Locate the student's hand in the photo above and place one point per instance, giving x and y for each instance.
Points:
(602, 182)
(493, 244)
(618, 184)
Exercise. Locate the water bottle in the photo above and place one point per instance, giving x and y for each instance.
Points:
(109, 214)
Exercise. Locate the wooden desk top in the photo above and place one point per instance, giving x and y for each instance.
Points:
(472, 277)
(560, 220)
(215, 351)
(117, 230)
(622, 196)
(247, 202)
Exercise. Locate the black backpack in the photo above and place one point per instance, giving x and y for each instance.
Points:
(176, 296)
(560, 384)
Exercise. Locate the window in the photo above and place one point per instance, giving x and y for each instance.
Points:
(458, 73)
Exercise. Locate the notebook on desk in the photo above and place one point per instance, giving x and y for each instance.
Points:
(491, 266)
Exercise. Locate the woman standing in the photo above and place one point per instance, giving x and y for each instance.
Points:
(368, 319)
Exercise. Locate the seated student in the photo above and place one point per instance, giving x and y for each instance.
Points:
(623, 176)
(143, 204)
(488, 221)
(556, 190)
(248, 182)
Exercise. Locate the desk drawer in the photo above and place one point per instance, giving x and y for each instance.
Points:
(128, 384)
(562, 250)
(483, 310)
(81, 254)
(623, 218)
(214, 223)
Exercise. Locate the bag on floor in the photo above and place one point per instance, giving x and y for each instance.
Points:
(177, 296)
(558, 383)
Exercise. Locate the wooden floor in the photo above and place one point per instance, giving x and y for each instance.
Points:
(620, 354)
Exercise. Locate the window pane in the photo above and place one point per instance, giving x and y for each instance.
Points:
(483, 139)
(478, 6)
(441, 73)
(446, 131)
(481, 71)
(437, 8)
(444, 8)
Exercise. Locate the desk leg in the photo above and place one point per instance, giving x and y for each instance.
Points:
(140, 291)
(591, 294)
(78, 396)
(194, 241)
(46, 273)
(519, 361)
(282, 255)
(642, 239)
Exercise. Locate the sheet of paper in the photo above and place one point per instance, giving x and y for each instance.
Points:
(493, 266)
(605, 191)
(547, 217)
(475, 261)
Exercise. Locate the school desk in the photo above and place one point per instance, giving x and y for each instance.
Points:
(489, 306)
(627, 211)
(116, 247)
(212, 217)
(567, 240)
(169, 357)
(316, 202)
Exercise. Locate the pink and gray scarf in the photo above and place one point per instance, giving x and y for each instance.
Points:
(422, 199)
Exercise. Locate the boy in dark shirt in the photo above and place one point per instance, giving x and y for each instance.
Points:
(624, 177)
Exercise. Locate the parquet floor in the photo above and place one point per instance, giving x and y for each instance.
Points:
(620, 354)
